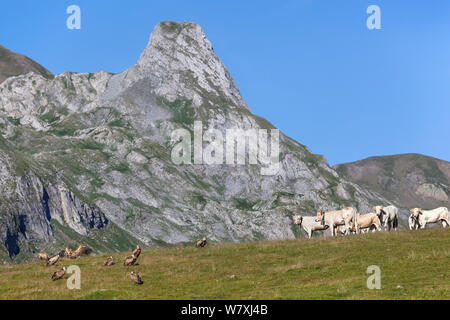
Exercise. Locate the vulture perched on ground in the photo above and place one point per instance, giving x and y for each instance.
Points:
(136, 278)
(59, 274)
(83, 250)
(68, 252)
(129, 261)
(43, 256)
(52, 260)
(201, 243)
(109, 262)
(73, 254)
(136, 252)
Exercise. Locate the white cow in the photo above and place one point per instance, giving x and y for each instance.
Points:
(388, 216)
(336, 218)
(431, 216)
(309, 224)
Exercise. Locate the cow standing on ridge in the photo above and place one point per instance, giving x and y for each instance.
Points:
(338, 217)
(430, 216)
(388, 216)
(309, 224)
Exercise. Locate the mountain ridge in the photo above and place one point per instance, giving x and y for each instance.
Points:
(410, 180)
(14, 64)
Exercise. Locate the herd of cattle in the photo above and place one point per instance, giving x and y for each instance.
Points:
(347, 220)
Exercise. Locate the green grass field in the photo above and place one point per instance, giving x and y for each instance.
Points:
(414, 265)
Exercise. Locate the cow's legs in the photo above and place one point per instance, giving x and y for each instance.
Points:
(377, 227)
(347, 228)
(445, 223)
(310, 232)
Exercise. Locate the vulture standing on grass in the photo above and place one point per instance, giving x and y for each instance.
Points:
(136, 278)
(43, 256)
(59, 274)
(201, 243)
(52, 260)
(83, 250)
(67, 253)
(136, 252)
(74, 254)
(129, 261)
(109, 262)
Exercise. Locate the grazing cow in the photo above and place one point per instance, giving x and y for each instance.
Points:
(337, 218)
(431, 216)
(309, 224)
(52, 260)
(388, 216)
(135, 278)
(129, 261)
(201, 243)
(43, 256)
(367, 221)
(136, 252)
(109, 262)
(59, 274)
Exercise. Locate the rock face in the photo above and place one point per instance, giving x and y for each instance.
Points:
(29, 204)
(14, 64)
(409, 180)
(108, 137)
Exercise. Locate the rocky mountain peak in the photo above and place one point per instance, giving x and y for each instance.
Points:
(179, 61)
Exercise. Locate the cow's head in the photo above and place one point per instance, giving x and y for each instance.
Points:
(297, 220)
(415, 212)
(379, 210)
(320, 217)
(352, 226)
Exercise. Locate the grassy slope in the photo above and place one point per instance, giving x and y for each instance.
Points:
(320, 268)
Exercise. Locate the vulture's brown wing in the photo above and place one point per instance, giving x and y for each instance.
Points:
(85, 250)
(58, 275)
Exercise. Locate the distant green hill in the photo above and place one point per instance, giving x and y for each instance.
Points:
(409, 180)
(413, 265)
(14, 64)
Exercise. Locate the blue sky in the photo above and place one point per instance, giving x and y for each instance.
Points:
(310, 67)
